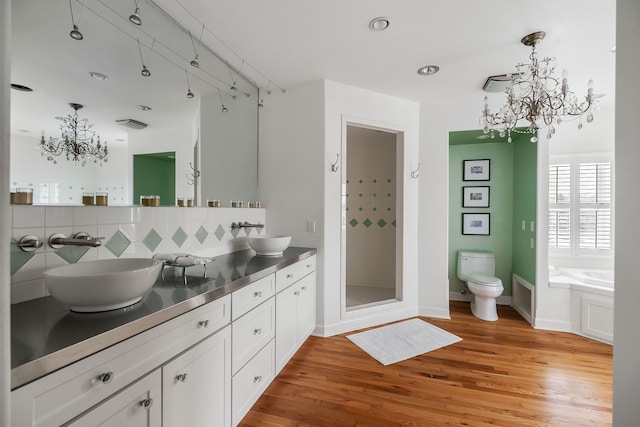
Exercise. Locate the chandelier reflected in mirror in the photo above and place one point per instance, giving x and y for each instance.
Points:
(76, 142)
(536, 96)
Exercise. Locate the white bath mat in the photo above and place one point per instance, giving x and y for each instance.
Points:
(404, 340)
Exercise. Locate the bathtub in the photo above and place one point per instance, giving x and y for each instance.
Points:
(591, 296)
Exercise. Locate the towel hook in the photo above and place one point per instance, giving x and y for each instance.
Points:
(334, 165)
(191, 178)
(415, 174)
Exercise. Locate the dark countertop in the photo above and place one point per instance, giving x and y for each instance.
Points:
(46, 336)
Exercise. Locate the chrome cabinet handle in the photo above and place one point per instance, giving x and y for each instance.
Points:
(106, 377)
(308, 265)
(181, 378)
(296, 293)
(257, 331)
(146, 403)
(289, 276)
(304, 288)
(257, 378)
(204, 323)
(257, 294)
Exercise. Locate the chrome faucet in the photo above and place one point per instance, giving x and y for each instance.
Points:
(245, 224)
(81, 238)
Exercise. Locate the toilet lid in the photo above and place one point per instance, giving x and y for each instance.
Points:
(482, 279)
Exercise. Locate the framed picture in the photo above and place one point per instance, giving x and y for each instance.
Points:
(476, 170)
(475, 197)
(476, 224)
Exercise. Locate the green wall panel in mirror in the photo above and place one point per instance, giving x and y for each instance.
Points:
(154, 174)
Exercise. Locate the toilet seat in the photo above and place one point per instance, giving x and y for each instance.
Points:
(484, 280)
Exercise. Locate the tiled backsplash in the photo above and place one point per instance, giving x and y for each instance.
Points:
(128, 231)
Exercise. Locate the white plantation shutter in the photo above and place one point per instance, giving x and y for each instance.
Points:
(560, 206)
(595, 206)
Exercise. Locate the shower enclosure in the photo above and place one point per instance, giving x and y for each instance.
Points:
(370, 217)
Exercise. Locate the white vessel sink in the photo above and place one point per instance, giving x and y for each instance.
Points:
(269, 245)
(102, 285)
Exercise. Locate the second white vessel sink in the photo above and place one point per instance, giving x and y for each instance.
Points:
(269, 245)
(102, 285)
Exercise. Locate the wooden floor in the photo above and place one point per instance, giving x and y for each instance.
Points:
(502, 373)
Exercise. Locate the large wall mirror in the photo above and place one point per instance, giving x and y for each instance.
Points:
(103, 73)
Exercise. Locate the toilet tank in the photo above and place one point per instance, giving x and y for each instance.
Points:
(470, 262)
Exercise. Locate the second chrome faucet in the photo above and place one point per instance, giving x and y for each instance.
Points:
(81, 238)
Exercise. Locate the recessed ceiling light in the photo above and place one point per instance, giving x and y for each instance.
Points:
(428, 70)
(143, 108)
(379, 24)
(98, 76)
(21, 88)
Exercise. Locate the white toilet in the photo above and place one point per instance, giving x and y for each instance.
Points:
(478, 269)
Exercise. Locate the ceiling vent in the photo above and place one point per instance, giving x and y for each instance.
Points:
(132, 123)
(498, 84)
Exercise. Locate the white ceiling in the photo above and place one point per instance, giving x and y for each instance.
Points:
(284, 43)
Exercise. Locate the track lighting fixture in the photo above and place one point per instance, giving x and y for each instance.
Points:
(145, 71)
(135, 17)
(75, 33)
(224, 109)
(190, 94)
(194, 62)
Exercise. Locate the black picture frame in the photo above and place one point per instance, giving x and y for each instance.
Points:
(476, 170)
(476, 196)
(476, 224)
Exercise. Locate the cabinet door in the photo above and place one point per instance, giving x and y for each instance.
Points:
(286, 325)
(196, 386)
(306, 308)
(137, 405)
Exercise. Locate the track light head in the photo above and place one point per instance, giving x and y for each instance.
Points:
(224, 109)
(75, 33)
(135, 17)
(190, 94)
(145, 71)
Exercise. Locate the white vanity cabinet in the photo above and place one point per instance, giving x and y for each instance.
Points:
(253, 350)
(295, 308)
(196, 386)
(67, 393)
(138, 405)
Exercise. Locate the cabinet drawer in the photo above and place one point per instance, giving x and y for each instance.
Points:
(251, 332)
(251, 381)
(62, 395)
(251, 296)
(295, 272)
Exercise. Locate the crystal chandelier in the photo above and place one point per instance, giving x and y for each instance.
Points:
(76, 142)
(538, 97)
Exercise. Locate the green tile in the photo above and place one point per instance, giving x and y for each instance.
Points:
(117, 244)
(72, 254)
(235, 232)
(201, 234)
(18, 257)
(367, 223)
(382, 223)
(394, 223)
(152, 240)
(353, 222)
(259, 230)
(179, 237)
(219, 233)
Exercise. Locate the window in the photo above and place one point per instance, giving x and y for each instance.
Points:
(580, 205)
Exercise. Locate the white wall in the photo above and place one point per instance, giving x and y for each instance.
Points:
(626, 364)
(302, 132)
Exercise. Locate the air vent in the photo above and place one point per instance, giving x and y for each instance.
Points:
(498, 84)
(131, 123)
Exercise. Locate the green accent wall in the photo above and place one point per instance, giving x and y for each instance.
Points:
(155, 174)
(525, 164)
(500, 208)
(512, 200)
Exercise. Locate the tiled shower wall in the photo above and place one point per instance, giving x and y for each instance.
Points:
(128, 231)
(371, 208)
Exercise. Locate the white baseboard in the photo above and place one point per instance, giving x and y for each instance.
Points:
(367, 321)
(437, 313)
(552, 325)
